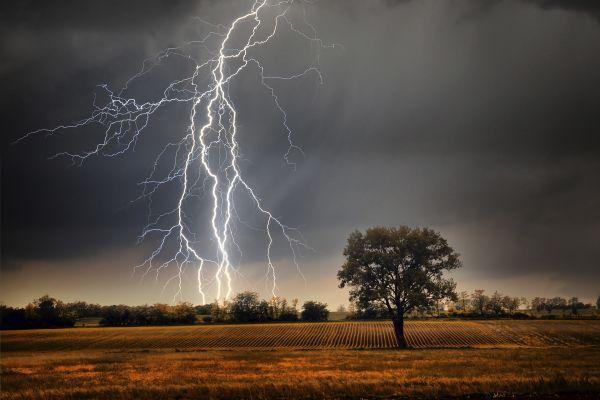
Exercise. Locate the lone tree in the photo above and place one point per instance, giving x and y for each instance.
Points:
(399, 268)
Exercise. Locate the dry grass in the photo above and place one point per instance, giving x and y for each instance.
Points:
(298, 374)
(291, 361)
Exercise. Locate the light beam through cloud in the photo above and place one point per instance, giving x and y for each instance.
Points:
(206, 157)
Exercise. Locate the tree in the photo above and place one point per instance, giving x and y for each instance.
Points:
(511, 304)
(399, 268)
(463, 301)
(575, 305)
(495, 303)
(538, 303)
(51, 312)
(203, 309)
(369, 310)
(245, 307)
(218, 312)
(479, 301)
(289, 313)
(523, 302)
(276, 306)
(556, 303)
(598, 304)
(314, 311)
(184, 313)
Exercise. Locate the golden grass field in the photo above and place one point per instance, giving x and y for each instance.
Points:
(300, 360)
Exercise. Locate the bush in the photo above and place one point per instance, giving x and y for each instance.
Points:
(314, 311)
(207, 318)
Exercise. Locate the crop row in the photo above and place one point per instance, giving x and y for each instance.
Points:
(376, 334)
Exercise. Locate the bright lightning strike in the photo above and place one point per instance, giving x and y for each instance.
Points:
(207, 156)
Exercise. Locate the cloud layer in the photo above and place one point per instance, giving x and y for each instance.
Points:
(479, 121)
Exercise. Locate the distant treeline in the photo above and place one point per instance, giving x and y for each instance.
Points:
(47, 312)
(480, 305)
(247, 307)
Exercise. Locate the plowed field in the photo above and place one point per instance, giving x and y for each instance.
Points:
(343, 335)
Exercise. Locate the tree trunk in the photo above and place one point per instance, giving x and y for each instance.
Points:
(399, 331)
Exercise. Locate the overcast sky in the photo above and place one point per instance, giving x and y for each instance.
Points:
(478, 119)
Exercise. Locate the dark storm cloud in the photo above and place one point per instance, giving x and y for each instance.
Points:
(590, 7)
(479, 121)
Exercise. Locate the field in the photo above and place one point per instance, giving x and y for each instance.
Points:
(346, 335)
(302, 360)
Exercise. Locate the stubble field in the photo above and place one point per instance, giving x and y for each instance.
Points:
(319, 360)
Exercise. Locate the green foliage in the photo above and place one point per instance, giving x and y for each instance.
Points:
(398, 268)
(314, 311)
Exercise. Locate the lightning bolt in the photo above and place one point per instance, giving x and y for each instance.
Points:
(205, 161)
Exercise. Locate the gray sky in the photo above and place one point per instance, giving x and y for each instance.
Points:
(480, 121)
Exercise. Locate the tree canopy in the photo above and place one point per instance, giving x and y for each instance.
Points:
(399, 268)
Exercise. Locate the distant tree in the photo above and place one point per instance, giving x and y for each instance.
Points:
(438, 306)
(203, 309)
(352, 310)
(184, 313)
(479, 301)
(450, 306)
(575, 305)
(462, 303)
(369, 310)
(50, 312)
(158, 314)
(262, 312)
(598, 304)
(549, 305)
(13, 318)
(341, 308)
(538, 304)
(289, 313)
(245, 307)
(556, 303)
(523, 302)
(81, 309)
(495, 304)
(399, 268)
(276, 305)
(314, 311)
(511, 304)
(219, 312)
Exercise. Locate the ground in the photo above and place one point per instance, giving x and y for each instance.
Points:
(545, 358)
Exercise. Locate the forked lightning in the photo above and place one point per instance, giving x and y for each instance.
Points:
(206, 159)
